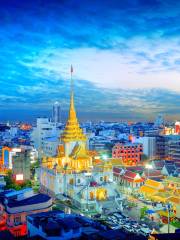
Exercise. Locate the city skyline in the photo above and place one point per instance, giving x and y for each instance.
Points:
(125, 58)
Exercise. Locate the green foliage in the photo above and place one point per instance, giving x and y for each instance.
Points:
(11, 184)
(175, 223)
(143, 212)
(35, 165)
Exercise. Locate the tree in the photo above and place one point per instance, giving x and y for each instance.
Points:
(143, 212)
(11, 184)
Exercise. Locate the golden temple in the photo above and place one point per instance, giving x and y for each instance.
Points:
(73, 155)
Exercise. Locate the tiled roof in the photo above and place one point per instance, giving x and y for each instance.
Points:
(46, 214)
(130, 174)
(136, 169)
(153, 184)
(116, 170)
(159, 164)
(153, 173)
(132, 177)
(170, 169)
(149, 190)
(175, 200)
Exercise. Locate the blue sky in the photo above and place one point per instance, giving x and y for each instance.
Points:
(126, 57)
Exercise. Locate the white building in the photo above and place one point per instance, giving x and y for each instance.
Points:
(149, 146)
(50, 145)
(44, 129)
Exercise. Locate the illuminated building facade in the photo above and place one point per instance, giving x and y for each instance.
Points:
(15, 206)
(25, 127)
(75, 171)
(129, 153)
(177, 127)
(7, 156)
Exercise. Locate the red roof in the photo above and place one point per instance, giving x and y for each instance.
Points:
(130, 174)
(117, 170)
(153, 173)
(131, 177)
(136, 168)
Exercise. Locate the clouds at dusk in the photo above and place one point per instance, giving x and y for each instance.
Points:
(126, 56)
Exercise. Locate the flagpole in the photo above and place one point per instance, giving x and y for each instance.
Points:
(72, 84)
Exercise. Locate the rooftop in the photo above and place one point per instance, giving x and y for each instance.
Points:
(166, 236)
(35, 199)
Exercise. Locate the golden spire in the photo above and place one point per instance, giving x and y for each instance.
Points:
(72, 131)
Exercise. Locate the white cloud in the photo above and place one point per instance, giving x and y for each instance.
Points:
(113, 69)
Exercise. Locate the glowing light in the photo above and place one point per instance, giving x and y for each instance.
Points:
(104, 157)
(149, 166)
(16, 150)
(19, 177)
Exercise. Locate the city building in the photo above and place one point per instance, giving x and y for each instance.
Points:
(174, 148)
(149, 146)
(7, 156)
(58, 225)
(162, 147)
(50, 146)
(56, 113)
(159, 121)
(54, 225)
(177, 127)
(129, 153)
(21, 164)
(44, 130)
(15, 206)
(75, 171)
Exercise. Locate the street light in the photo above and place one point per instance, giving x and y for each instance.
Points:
(148, 166)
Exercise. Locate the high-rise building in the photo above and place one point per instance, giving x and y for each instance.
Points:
(149, 146)
(159, 122)
(56, 117)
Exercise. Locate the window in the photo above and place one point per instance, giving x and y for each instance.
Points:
(17, 220)
(17, 233)
(101, 178)
(79, 180)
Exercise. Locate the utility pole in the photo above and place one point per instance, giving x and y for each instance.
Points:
(168, 209)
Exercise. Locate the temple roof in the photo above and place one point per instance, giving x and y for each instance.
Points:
(72, 131)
